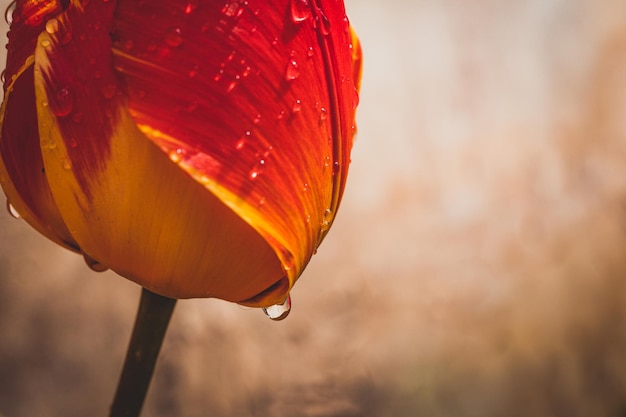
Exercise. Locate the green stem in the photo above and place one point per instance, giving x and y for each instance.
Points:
(151, 323)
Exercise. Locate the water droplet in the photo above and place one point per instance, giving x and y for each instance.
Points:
(297, 106)
(324, 26)
(177, 155)
(327, 219)
(292, 72)
(300, 10)
(94, 265)
(52, 26)
(232, 9)
(173, 37)
(336, 167)
(257, 170)
(12, 211)
(45, 43)
(66, 165)
(310, 52)
(8, 12)
(287, 259)
(191, 6)
(63, 103)
(193, 71)
(72, 143)
(257, 119)
(279, 311)
(49, 143)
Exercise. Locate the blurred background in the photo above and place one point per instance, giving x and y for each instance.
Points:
(477, 266)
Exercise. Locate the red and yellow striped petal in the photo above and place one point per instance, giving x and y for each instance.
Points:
(127, 204)
(22, 172)
(254, 99)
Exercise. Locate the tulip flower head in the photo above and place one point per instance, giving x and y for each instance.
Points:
(199, 148)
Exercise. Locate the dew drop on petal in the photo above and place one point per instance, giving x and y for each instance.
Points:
(292, 72)
(94, 265)
(191, 6)
(12, 211)
(63, 102)
(323, 114)
(287, 259)
(45, 43)
(297, 106)
(300, 10)
(52, 26)
(327, 219)
(173, 37)
(278, 311)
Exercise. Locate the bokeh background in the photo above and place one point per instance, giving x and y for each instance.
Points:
(477, 266)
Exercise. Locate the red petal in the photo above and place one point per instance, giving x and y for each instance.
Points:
(255, 99)
(28, 20)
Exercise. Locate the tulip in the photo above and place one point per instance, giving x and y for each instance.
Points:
(197, 148)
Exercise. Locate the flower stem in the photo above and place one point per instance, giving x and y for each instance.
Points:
(151, 323)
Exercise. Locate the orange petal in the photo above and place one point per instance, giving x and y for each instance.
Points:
(126, 203)
(254, 99)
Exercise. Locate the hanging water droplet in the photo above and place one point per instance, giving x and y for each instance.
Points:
(94, 265)
(300, 10)
(12, 211)
(8, 12)
(278, 311)
(292, 72)
(173, 37)
(52, 26)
